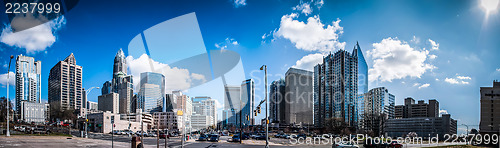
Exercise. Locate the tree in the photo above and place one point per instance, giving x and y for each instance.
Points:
(335, 125)
(3, 109)
(57, 113)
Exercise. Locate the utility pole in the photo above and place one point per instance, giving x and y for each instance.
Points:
(8, 99)
(264, 67)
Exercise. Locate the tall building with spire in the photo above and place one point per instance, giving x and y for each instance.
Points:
(65, 90)
(122, 84)
(362, 70)
(336, 88)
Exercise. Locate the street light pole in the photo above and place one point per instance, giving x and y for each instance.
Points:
(8, 100)
(264, 67)
(86, 109)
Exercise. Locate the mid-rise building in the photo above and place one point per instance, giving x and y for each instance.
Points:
(167, 120)
(420, 109)
(28, 88)
(92, 106)
(33, 112)
(277, 101)
(336, 88)
(422, 126)
(109, 102)
(490, 109)
(205, 106)
(200, 122)
(101, 123)
(298, 101)
(65, 90)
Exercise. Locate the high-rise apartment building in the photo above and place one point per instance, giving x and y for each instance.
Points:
(336, 88)
(299, 102)
(28, 88)
(247, 92)
(490, 109)
(277, 101)
(65, 90)
(151, 92)
(378, 107)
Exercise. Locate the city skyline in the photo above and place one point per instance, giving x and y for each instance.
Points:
(441, 43)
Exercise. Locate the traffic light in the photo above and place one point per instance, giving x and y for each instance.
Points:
(258, 109)
(248, 118)
(256, 114)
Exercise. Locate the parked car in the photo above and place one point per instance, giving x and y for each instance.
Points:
(277, 136)
(302, 136)
(261, 137)
(203, 137)
(214, 138)
(235, 138)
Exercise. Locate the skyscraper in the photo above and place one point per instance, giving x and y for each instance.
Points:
(65, 85)
(106, 88)
(298, 97)
(231, 105)
(28, 83)
(362, 70)
(336, 88)
(152, 92)
(277, 101)
(122, 83)
(247, 92)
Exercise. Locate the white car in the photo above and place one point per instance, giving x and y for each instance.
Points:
(345, 145)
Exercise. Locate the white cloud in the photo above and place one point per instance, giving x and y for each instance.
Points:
(424, 85)
(435, 46)
(239, 3)
(498, 69)
(395, 59)
(34, 39)
(311, 35)
(309, 61)
(228, 41)
(432, 57)
(176, 78)
(12, 79)
(415, 40)
(416, 84)
(458, 80)
(304, 8)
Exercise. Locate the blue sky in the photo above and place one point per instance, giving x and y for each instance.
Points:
(281, 34)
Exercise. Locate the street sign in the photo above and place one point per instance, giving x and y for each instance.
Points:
(179, 113)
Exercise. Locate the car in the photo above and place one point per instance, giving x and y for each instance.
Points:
(261, 137)
(203, 137)
(395, 144)
(344, 145)
(235, 138)
(277, 136)
(213, 138)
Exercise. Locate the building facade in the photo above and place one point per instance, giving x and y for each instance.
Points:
(232, 105)
(422, 126)
(65, 90)
(92, 106)
(152, 92)
(490, 109)
(299, 102)
(167, 120)
(277, 101)
(122, 83)
(33, 112)
(378, 107)
(109, 102)
(336, 88)
(420, 109)
(247, 92)
(28, 88)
